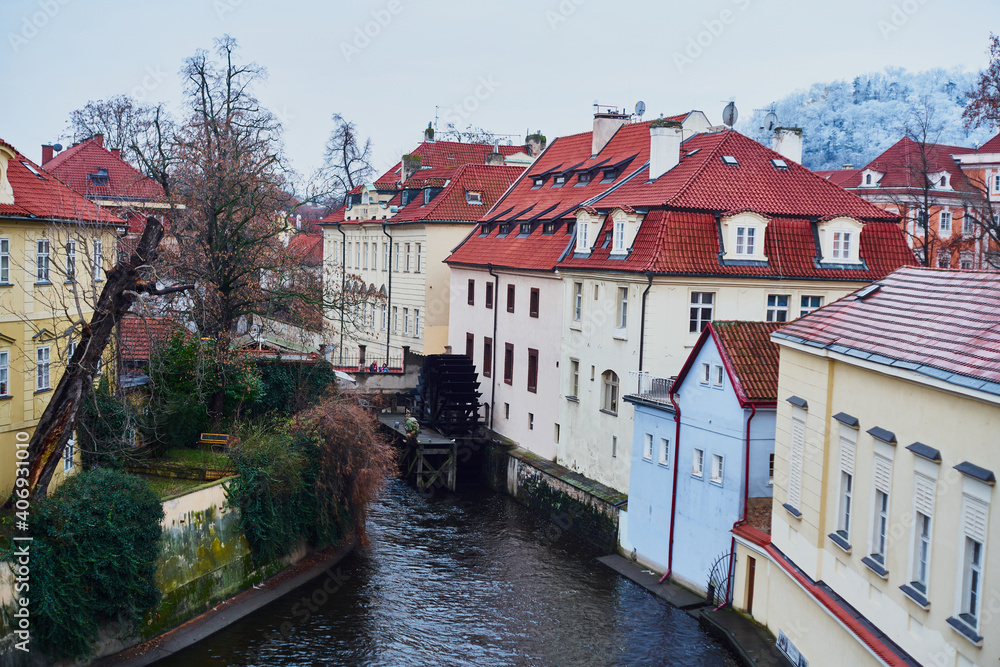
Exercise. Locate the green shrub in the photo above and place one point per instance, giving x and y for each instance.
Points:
(289, 388)
(96, 542)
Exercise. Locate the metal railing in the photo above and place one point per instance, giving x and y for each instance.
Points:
(650, 387)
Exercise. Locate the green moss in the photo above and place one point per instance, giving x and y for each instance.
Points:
(663, 122)
(796, 130)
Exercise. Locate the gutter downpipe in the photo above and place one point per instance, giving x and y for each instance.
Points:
(493, 361)
(343, 287)
(642, 318)
(673, 491)
(746, 502)
(388, 307)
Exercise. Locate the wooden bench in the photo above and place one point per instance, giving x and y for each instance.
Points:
(220, 442)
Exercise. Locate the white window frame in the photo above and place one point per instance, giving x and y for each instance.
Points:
(98, 258)
(610, 397)
(718, 469)
(581, 236)
(664, 452)
(842, 245)
(4, 261)
(70, 261)
(406, 320)
(395, 319)
(385, 257)
(43, 363)
(574, 378)
(706, 373)
(806, 307)
(718, 376)
(618, 237)
(397, 258)
(778, 307)
(622, 308)
(406, 268)
(944, 217)
(69, 453)
(416, 323)
(968, 225)
(845, 505)
(42, 250)
(698, 463)
(973, 530)
(384, 316)
(578, 302)
(647, 451)
(746, 241)
(698, 306)
(796, 459)
(5, 373)
(417, 268)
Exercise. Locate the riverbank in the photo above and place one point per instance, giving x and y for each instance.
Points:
(748, 641)
(232, 610)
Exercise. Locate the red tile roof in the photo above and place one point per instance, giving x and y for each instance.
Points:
(74, 166)
(445, 155)
(991, 146)
(45, 197)
(945, 324)
(903, 164)
(747, 350)
(307, 248)
(845, 178)
(140, 334)
(451, 204)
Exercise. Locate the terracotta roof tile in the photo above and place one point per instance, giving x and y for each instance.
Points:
(74, 166)
(902, 165)
(941, 323)
(140, 334)
(451, 204)
(991, 146)
(44, 196)
(751, 355)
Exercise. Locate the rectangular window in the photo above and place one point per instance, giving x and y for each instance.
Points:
(975, 515)
(417, 269)
(795, 462)
(5, 261)
(42, 261)
(531, 421)
(385, 256)
(416, 321)
(357, 255)
(622, 307)
(555, 433)
(701, 310)
(921, 552)
(508, 363)
(489, 295)
(470, 345)
(472, 292)
(406, 320)
(777, 307)
(944, 222)
(506, 410)
(647, 450)
(968, 224)
(665, 451)
(383, 317)
(365, 255)
(697, 462)
(577, 301)
(880, 515)
(717, 468)
(706, 373)
(397, 258)
(718, 375)
(848, 451)
(42, 369)
(614, 446)
(407, 269)
(532, 370)
(70, 261)
(574, 378)
(842, 245)
(746, 241)
(98, 261)
(770, 469)
(395, 319)
(619, 236)
(69, 453)
(809, 304)
(510, 298)
(4, 373)
(533, 302)
(487, 357)
(996, 183)
(374, 256)
(581, 237)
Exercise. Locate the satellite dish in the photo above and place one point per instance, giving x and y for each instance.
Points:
(57, 147)
(640, 108)
(770, 121)
(729, 114)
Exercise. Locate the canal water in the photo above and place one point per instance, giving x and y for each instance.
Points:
(473, 579)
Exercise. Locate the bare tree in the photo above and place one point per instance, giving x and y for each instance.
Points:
(984, 98)
(346, 160)
(125, 122)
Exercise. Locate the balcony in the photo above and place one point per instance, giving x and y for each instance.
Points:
(649, 387)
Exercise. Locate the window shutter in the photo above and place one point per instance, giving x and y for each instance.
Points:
(923, 491)
(974, 518)
(883, 474)
(795, 463)
(847, 450)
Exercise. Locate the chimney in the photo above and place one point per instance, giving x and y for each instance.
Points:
(847, 166)
(788, 142)
(117, 152)
(495, 158)
(605, 126)
(535, 143)
(99, 138)
(664, 147)
(429, 133)
(46, 153)
(411, 165)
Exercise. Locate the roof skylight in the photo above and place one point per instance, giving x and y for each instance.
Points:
(730, 160)
(30, 168)
(779, 164)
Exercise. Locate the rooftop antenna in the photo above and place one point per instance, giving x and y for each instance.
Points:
(729, 115)
(57, 147)
(640, 108)
(770, 119)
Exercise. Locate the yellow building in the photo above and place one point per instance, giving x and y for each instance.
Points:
(55, 246)
(884, 545)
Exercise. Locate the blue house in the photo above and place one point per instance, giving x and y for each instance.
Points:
(703, 454)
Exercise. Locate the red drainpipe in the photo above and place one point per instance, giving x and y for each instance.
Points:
(673, 493)
(746, 501)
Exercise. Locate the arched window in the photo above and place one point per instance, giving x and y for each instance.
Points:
(610, 398)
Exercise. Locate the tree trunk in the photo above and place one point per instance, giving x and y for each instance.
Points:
(123, 285)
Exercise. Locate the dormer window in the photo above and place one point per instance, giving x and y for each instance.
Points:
(582, 244)
(100, 177)
(618, 246)
(503, 229)
(868, 179)
(526, 228)
(559, 181)
(743, 237)
(730, 161)
(840, 239)
(583, 178)
(610, 175)
(549, 228)
(427, 196)
(539, 182)
(940, 180)
(474, 198)
(405, 198)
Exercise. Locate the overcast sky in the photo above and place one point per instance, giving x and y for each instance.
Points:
(506, 66)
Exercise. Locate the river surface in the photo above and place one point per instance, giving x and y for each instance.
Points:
(473, 579)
